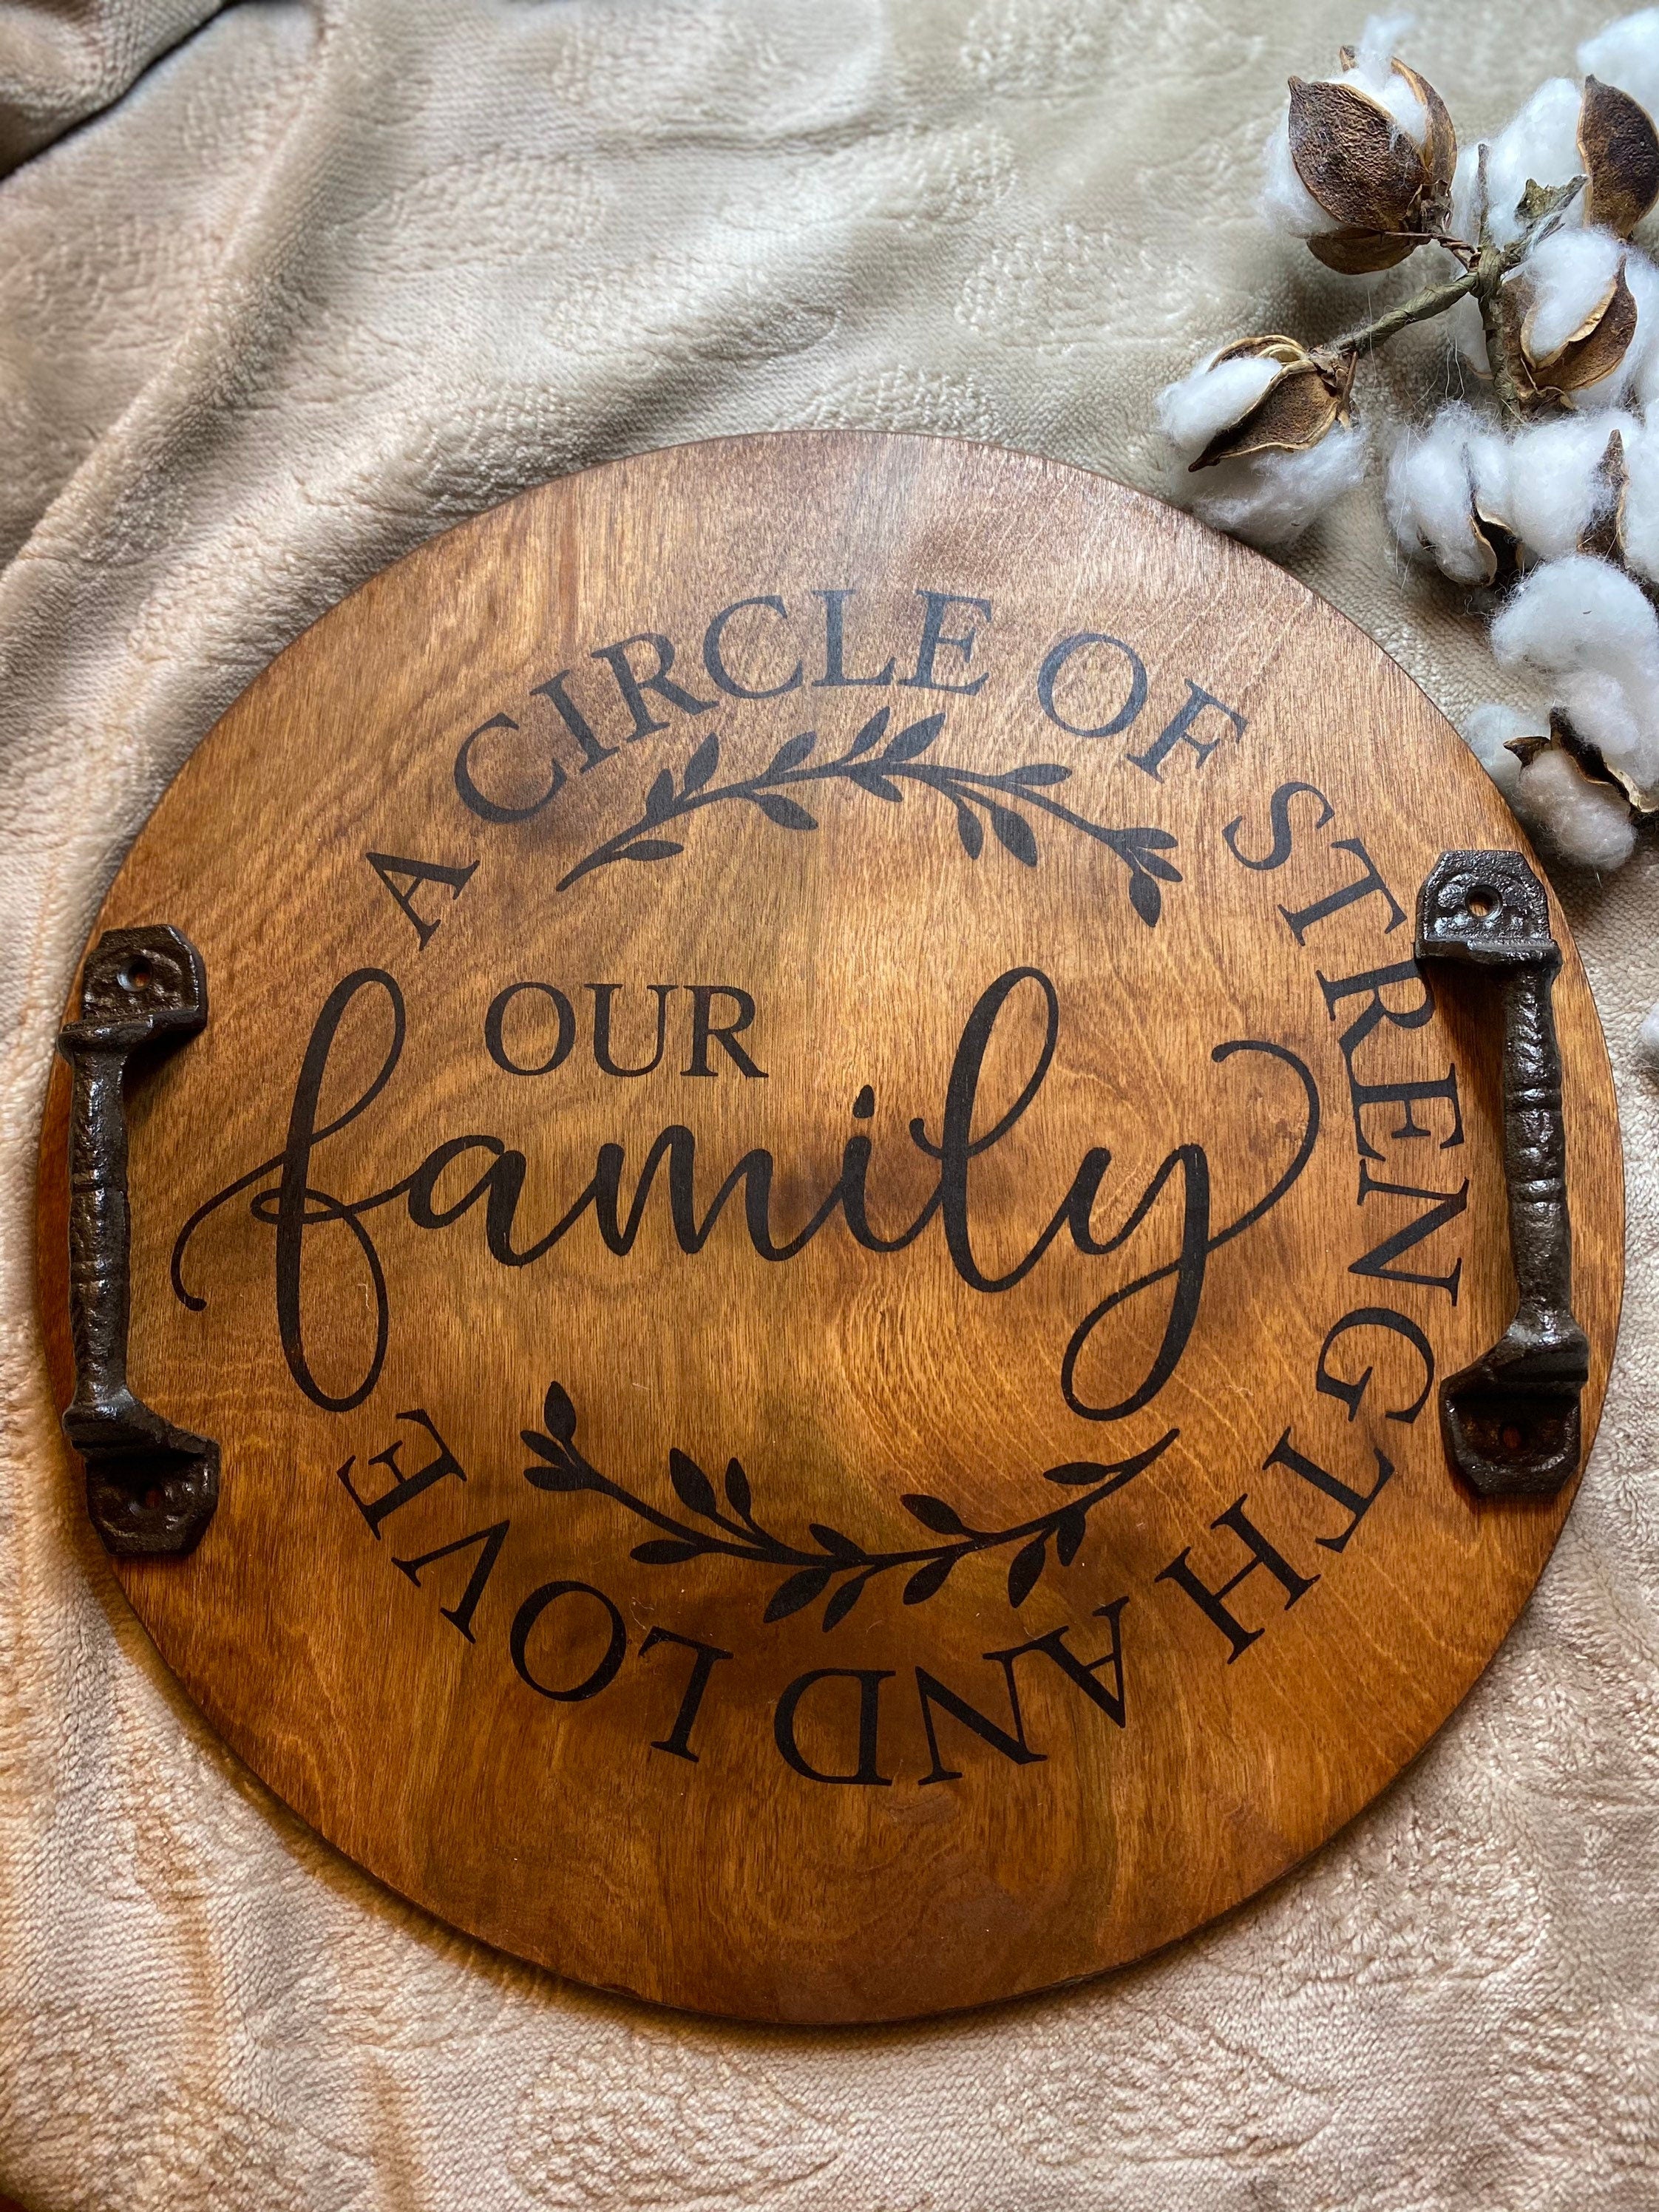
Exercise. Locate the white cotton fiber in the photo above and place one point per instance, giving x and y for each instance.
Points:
(1553, 491)
(1586, 821)
(1627, 54)
(1373, 50)
(1568, 275)
(1486, 732)
(1640, 378)
(1641, 504)
(1374, 72)
(1270, 499)
(1540, 143)
(1467, 333)
(1434, 479)
(1208, 398)
(1589, 629)
(1647, 1039)
(1289, 207)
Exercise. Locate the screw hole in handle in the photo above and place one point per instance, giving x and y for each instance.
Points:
(1510, 1418)
(151, 1488)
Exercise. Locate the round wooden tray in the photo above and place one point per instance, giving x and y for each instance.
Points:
(818, 1218)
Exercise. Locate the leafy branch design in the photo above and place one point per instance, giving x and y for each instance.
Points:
(835, 1563)
(978, 799)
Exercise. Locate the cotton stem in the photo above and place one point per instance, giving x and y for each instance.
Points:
(1421, 307)
(1542, 212)
(1498, 321)
(1484, 283)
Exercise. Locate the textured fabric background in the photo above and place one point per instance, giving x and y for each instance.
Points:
(330, 276)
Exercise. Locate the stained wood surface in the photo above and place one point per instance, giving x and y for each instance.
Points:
(486, 1695)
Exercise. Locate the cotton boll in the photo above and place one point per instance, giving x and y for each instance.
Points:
(1434, 480)
(1590, 628)
(1554, 491)
(1626, 54)
(1487, 732)
(1208, 398)
(1540, 144)
(1647, 1040)
(1568, 274)
(1586, 820)
(1565, 289)
(1270, 499)
(1289, 207)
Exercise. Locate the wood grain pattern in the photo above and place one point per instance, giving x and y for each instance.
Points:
(1175, 999)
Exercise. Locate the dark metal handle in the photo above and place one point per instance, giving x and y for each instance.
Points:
(1510, 1419)
(150, 1487)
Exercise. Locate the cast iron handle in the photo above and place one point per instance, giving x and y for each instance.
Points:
(150, 1487)
(1510, 1419)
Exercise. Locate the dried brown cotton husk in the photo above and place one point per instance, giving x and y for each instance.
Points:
(1619, 146)
(1361, 252)
(1604, 538)
(1440, 148)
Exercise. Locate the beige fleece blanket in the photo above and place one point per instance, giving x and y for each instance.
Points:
(327, 278)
